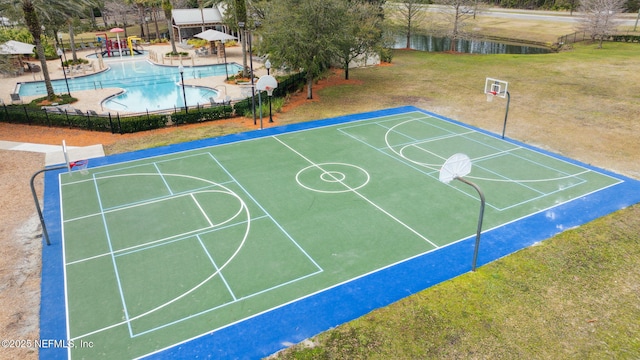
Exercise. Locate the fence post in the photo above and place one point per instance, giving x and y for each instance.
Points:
(26, 113)
(111, 124)
(119, 123)
(89, 121)
(46, 116)
(66, 114)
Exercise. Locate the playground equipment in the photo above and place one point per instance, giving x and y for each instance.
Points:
(131, 41)
(110, 47)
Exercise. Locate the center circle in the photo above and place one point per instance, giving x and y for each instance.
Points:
(332, 178)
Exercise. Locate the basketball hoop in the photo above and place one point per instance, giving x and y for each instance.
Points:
(80, 165)
(268, 83)
(495, 87)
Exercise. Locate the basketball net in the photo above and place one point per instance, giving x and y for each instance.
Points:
(80, 165)
(491, 95)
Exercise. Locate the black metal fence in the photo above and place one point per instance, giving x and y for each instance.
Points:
(579, 36)
(61, 116)
(114, 123)
(573, 38)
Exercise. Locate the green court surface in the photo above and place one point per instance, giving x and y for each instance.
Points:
(164, 249)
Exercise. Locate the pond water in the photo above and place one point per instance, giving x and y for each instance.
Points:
(438, 44)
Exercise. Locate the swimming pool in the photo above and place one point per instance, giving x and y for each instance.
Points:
(146, 86)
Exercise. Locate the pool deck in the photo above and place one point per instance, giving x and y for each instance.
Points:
(91, 99)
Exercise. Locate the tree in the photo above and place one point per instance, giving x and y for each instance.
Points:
(69, 17)
(411, 12)
(302, 34)
(140, 6)
(363, 31)
(35, 14)
(167, 7)
(118, 10)
(458, 12)
(240, 7)
(236, 13)
(33, 23)
(600, 18)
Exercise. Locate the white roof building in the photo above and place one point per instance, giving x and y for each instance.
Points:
(188, 22)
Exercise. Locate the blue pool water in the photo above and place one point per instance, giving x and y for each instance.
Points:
(146, 86)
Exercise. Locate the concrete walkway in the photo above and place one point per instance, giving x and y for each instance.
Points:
(53, 153)
(91, 99)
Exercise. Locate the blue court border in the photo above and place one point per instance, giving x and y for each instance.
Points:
(266, 333)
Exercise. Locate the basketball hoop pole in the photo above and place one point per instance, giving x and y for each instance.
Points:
(480, 217)
(504, 127)
(45, 235)
(495, 87)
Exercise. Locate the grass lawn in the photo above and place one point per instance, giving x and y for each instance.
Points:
(573, 296)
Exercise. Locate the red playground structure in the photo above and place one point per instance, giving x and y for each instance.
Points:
(111, 47)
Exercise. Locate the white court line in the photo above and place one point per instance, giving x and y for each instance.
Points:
(129, 319)
(161, 242)
(201, 210)
(361, 196)
(113, 259)
(228, 191)
(230, 303)
(268, 214)
(237, 321)
(64, 268)
(163, 178)
(500, 152)
(215, 266)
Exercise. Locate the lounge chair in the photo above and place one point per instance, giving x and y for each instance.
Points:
(79, 112)
(93, 113)
(220, 100)
(183, 44)
(202, 51)
(33, 67)
(16, 98)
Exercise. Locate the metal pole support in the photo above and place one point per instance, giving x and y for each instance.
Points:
(480, 217)
(504, 127)
(45, 235)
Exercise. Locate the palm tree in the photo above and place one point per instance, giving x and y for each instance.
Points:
(35, 10)
(168, 7)
(237, 13)
(33, 23)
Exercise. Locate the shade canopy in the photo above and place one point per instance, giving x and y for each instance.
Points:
(116, 30)
(214, 35)
(13, 47)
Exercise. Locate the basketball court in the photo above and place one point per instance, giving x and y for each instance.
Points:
(239, 246)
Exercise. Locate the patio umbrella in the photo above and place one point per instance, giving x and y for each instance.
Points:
(118, 30)
(13, 47)
(214, 35)
(17, 48)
